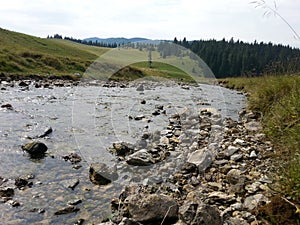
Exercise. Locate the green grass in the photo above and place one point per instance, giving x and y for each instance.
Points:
(25, 54)
(277, 99)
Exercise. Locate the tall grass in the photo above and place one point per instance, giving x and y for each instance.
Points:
(277, 99)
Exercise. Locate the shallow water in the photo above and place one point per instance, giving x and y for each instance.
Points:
(86, 120)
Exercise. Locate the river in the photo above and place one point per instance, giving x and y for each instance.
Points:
(86, 119)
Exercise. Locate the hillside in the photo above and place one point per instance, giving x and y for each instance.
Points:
(25, 54)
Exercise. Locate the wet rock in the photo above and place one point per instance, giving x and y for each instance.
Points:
(201, 158)
(140, 158)
(6, 192)
(79, 222)
(143, 101)
(73, 158)
(200, 214)
(253, 201)
(139, 117)
(13, 203)
(66, 210)
(75, 202)
(38, 210)
(47, 131)
(20, 182)
(101, 174)
(152, 208)
(71, 183)
(35, 149)
(7, 106)
(122, 148)
(23, 84)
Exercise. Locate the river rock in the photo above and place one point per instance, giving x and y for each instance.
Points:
(201, 158)
(199, 214)
(6, 192)
(231, 150)
(101, 174)
(140, 88)
(122, 148)
(140, 158)
(253, 201)
(47, 131)
(35, 149)
(66, 210)
(152, 208)
(71, 183)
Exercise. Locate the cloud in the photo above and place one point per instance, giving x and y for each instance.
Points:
(152, 19)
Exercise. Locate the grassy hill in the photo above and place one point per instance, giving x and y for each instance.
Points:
(25, 54)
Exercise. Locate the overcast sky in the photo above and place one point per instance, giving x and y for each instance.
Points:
(154, 19)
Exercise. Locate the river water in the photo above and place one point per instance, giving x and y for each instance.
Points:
(86, 119)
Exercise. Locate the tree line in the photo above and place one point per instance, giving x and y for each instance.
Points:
(237, 58)
(85, 42)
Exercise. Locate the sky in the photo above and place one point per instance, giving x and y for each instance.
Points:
(155, 19)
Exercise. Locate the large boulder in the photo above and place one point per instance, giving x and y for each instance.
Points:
(101, 174)
(35, 149)
(152, 208)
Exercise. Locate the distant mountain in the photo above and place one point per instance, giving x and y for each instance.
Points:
(122, 40)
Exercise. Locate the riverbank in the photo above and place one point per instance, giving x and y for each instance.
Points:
(277, 100)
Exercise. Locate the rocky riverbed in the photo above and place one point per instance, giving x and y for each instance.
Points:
(129, 153)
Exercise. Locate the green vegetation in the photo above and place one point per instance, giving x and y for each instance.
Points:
(277, 99)
(24, 54)
(235, 58)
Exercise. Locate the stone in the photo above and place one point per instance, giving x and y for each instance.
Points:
(253, 126)
(75, 201)
(251, 202)
(234, 176)
(101, 174)
(143, 101)
(139, 117)
(236, 221)
(200, 214)
(6, 192)
(47, 131)
(73, 158)
(239, 142)
(152, 208)
(35, 149)
(7, 106)
(71, 183)
(66, 210)
(221, 197)
(122, 148)
(140, 88)
(140, 158)
(201, 158)
(231, 150)
(20, 182)
(236, 157)
(253, 154)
